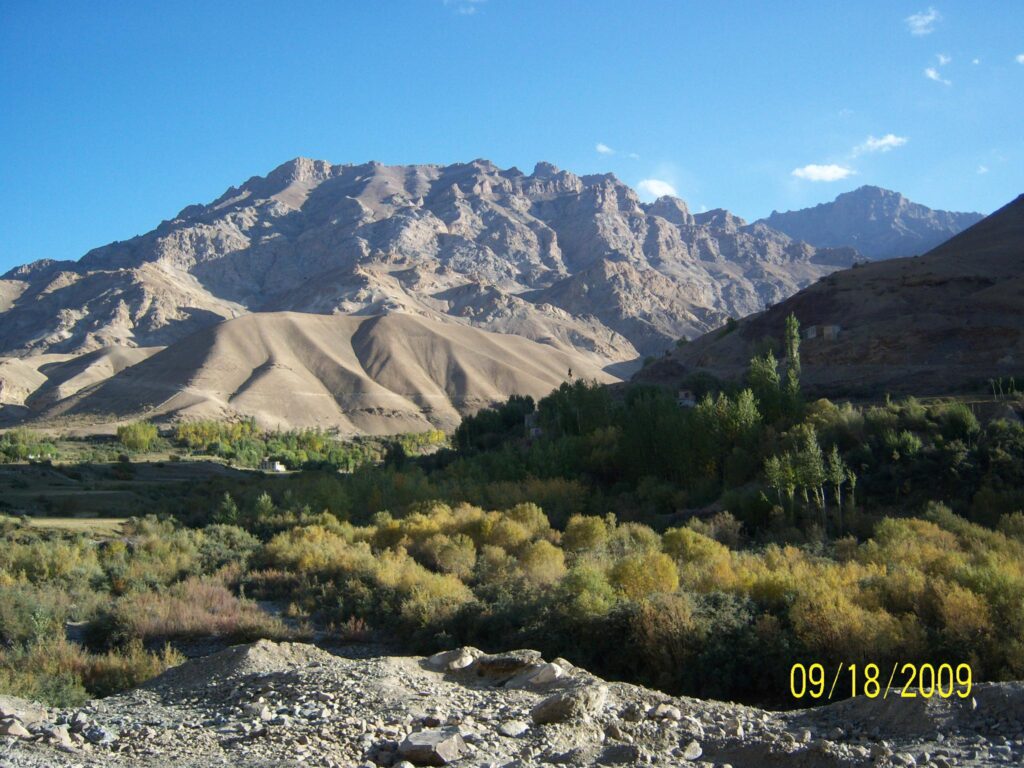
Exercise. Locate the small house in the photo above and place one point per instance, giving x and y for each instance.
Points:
(272, 466)
(827, 332)
(531, 425)
(686, 399)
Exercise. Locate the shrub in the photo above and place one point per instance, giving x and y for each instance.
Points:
(137, 436)
(450, 554)
(585, 533)
(639, 575)
(543, 562)
(585, 592)
(194, 608)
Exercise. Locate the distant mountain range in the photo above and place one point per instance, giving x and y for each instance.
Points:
(879, 223)
(949, 320)
(577, 266)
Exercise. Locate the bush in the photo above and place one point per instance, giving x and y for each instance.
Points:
(641, 575)
(137, 436)
(194, 608)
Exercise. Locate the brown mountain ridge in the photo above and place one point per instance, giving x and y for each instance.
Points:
(950, 319)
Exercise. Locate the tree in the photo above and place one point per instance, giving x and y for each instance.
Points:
(766, 385)
(780, 473)
(137, 436)
(836, 474)
(227, 512)
(810, 467)
(793, 363)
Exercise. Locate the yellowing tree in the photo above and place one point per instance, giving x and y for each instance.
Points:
(640, 575)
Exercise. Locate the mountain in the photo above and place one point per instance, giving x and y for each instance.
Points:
(577, 265)
(359, 374)
(879, 223)
(575, 262)
(953, 318)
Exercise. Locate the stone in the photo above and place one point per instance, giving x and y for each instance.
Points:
(619, 754)
(28, 713)
(633, 713)
(99, 735)
(60, 736)
(513, 728)
(692, 750)
(456, 659)
(666, 712)
(435, 747)
(12, 727)
(574, 704)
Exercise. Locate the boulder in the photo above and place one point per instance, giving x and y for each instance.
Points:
(449, 661)
(537, 676)
(435, 747)
(12, 727)
(513, 728)
(575, 704)
(692, 751)
(27, 712)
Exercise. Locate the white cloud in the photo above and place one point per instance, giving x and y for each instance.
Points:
(654, 188)
(604, 149)
(923, 23)
(831, 172)
(1019, 58)
(943, 59)
(464, 7)
(633, 156)
(982, 169)
(978, 61)
(933, 74)
(845, 112)
(883, 144)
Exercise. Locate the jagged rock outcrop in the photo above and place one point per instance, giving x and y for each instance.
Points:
(879, 223)
(573, 261)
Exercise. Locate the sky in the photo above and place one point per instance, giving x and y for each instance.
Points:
(116, 115)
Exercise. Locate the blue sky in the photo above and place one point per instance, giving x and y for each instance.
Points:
(117, 115)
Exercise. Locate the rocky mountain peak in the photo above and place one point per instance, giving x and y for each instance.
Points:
(719, 218)
(545, 170)
(878, 222)
(575, 263)
(672, 209)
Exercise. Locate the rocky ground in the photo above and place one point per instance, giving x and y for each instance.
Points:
(270, 704)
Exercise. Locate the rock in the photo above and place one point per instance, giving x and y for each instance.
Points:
(436, 747)
(500, 668)
(12, 727)
(28, 713)
(619, 754)
(633, 713)
(537, 677)
(666, 712)
(98, 735)
(575, 704)
(79, 722)
(692, 750)
(60, 736)
(614, 731)
(449, 661)
(513, 728)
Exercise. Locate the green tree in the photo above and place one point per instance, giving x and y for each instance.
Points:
(227, 512)
(793, 363)
(836, 474)
(766, 385)
(137, 436)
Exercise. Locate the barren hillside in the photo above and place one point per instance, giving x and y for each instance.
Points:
(952, 318)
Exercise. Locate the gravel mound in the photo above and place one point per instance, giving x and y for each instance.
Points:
(290, 704)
